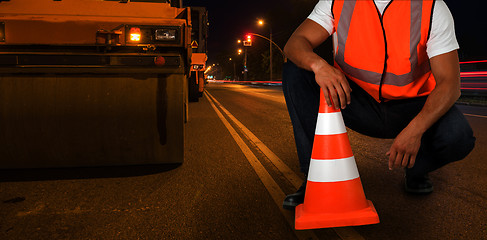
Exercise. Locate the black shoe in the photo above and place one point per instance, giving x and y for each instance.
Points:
(293, 200)
(418, 184)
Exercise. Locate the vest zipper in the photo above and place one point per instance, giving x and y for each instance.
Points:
(381, 16)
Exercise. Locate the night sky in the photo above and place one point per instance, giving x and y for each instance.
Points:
(231, 20)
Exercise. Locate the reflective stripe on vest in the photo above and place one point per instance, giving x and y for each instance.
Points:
(417, 69)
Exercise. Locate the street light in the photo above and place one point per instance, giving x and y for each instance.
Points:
(261, 23)
(207, 69)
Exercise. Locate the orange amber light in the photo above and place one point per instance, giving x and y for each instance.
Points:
(135, 34)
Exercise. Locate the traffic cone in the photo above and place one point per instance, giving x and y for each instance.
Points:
(334, 195)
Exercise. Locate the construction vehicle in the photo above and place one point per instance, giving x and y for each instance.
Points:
(199, 18)
(94, 82)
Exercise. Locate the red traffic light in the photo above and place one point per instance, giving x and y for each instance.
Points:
(248, 40)
(249, 37)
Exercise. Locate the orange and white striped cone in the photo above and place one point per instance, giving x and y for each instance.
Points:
(334, 195)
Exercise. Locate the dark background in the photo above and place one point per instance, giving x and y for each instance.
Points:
(231, 20)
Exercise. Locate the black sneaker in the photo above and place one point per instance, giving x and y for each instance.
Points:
(293, 200)
(418, 184)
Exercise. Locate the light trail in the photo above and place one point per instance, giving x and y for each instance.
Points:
(467, 62)
(474, 74)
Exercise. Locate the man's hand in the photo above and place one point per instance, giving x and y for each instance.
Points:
(299, 49)
(333, 83)
(404, 149)
(445, 68)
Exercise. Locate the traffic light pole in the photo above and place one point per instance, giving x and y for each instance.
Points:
(245, 64)
(270, 53)
(272, 42)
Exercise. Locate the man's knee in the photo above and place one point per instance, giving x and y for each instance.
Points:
(458, 144)
(455, 139)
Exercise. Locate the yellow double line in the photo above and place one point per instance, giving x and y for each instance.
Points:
(473, 115)
(272, 187)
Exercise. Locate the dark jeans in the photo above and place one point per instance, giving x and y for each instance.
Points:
(449, 139)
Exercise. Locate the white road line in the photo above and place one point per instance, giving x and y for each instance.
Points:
(473, 115)
(345, 233)
(289, 174)
(272, 187)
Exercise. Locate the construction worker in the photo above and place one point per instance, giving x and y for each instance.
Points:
(395, 75)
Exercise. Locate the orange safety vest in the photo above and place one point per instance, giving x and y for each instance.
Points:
(385, 55)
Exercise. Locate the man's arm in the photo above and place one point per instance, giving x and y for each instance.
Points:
(299, 49)
(446, 69)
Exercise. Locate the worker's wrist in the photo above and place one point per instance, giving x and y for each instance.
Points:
(319, 65)
(418, 125)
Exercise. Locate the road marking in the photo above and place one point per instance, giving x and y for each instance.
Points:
(345, 233)
(289, 174)
(473, 115)
(247, 90)
(272, 187)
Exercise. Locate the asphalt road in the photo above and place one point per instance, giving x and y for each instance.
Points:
(229, 188)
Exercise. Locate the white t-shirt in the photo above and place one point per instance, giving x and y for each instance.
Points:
(442, 36)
